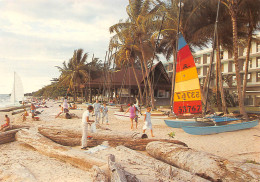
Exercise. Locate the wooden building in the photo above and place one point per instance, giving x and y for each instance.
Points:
(121, 85)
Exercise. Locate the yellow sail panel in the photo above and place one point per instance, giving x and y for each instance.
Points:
(187, 85)
(191, 95)
(187, 74)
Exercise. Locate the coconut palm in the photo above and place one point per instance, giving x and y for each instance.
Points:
(126, 51)
(74, 72)
(140, 23)
(249, 16)
(233, 8)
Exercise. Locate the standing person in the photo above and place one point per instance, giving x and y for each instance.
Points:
(97, 108)
(137, 110)
(85, 122)
(147, 121)
(65, 105)
(7, 123)
(132, 115)
(104, 111)
(33, 109)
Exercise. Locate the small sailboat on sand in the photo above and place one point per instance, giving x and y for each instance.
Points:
(17, 95)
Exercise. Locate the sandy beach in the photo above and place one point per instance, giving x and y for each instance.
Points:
(241, 146)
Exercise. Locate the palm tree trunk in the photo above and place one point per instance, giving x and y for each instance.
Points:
(137, 81)
(147, 74)
(233, 13)
(220, 80)
(247, 60)
(217, 83)
(145, 84)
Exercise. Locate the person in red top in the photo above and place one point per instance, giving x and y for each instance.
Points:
(7, 124)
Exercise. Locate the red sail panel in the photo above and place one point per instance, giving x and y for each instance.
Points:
(186, 82)
(193, 107)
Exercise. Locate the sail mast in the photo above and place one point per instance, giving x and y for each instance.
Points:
(175, 59)
(14, 87)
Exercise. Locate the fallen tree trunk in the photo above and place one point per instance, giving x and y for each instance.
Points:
(99, 175)
(18, 173)
(117, 173)
(72, 138)
(47, 147)
(9, 135)
(203, 164)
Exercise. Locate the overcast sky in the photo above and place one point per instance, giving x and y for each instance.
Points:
(37, 35)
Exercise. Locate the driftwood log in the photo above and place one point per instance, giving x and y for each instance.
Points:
(47, 147)
(158, 170)
(99, 175)
(203, 164)
(117, 173)
(72, 138)
(9, 135)
(18, 173)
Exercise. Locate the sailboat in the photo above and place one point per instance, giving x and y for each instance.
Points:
(17, 95)
(187, 99)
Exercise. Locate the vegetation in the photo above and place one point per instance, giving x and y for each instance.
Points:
(151, 29)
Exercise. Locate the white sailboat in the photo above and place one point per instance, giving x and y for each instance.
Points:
(17, 95)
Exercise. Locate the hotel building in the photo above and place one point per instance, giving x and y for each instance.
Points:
(202, 61)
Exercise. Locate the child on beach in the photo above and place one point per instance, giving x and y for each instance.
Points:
(85, 122)
(147, 121)
(132, 114)
(97, 108)
(104, 111)
(7, 124)
(33, 109)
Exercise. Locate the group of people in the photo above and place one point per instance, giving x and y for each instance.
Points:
(100, 111)
(86, 121)
(134, 114)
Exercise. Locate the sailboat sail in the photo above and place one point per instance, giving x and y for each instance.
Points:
(187, 95)
(17, 93)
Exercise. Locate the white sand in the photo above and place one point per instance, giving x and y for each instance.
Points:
(239, 145)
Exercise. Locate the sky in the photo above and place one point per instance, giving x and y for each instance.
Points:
(37, 35)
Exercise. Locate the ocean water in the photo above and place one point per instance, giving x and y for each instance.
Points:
(5, 100)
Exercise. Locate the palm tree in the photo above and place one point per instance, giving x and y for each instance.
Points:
(126, 52)
(233, 8)
(74, 72)
(141, 16)
(250, 15)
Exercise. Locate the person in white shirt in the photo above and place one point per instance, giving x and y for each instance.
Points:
(104, 113)
(65, 105)
(97, 109)
(85, 122)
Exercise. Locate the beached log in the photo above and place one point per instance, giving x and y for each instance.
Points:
(17, 173)
(158, 170)
(99, 175)
(47, 147)
(117, 173)
(9, 135)
(72, 138)
(201, 163)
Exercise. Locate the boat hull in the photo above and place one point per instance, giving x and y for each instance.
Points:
(179, 123)
(207, 130)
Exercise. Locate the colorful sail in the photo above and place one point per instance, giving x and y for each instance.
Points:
(187, 95)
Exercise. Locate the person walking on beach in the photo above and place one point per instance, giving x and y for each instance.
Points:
(7, 123)
(132, 115)
(147, 121)
(104, 111)
(33, 109)
(65, 105)
(137, 110)
(85, 122)
(97, 109)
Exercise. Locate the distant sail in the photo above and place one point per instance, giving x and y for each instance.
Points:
(187, 95)
(17, 93)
